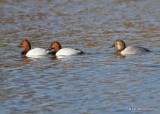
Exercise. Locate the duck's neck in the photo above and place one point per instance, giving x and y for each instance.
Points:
(57, 49)
(25, 50)
(121, 47)
(52, 53)
(23, 53)
(26, 47)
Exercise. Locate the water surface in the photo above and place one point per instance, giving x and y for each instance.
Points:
(97, 82)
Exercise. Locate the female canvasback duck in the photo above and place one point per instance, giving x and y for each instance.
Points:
(25, 44)
(58, 50)
(123, 50)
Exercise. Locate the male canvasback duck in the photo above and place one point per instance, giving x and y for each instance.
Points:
(123, 50)
(25, 44)
(58, 50)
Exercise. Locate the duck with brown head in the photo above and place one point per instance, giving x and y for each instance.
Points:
(123, 50)
(57, 49)
(25, 44)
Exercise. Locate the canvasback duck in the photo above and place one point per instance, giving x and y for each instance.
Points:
(58, 50)
(123, 50)
(25, 44)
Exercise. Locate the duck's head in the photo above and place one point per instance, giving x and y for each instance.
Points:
(119, 44)
(55, 47)
(25, 44)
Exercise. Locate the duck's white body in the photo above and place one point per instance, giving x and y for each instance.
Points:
(133, 50)
(68, 51)
(36, 52)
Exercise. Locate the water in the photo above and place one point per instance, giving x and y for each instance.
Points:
(97, 82)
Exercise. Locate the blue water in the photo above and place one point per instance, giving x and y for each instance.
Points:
(98, 82)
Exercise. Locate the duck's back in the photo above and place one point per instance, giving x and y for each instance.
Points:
(68, 51)
(134, 50)
(37, 52)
